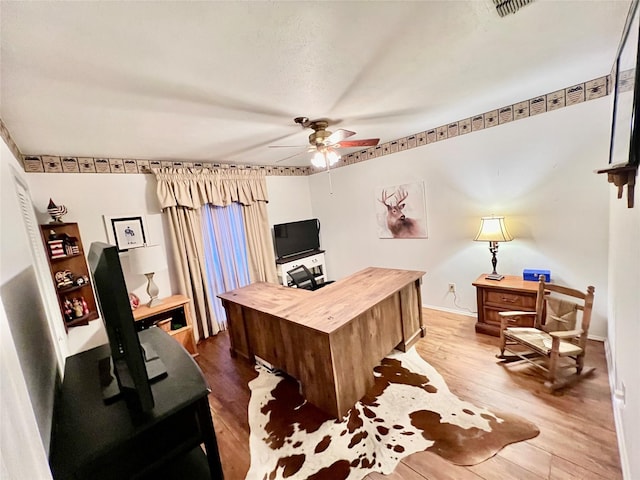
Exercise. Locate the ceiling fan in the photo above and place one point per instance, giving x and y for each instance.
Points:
(325, 144)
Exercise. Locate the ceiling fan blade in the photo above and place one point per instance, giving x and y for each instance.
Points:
(367, 142)
(290, 156)
(287, 146)
(338, 136)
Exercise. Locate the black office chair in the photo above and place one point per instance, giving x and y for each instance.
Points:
(303, 278)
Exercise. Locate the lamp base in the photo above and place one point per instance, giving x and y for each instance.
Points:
(154, 302)
(494, 276)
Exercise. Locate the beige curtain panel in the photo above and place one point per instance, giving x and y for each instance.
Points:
(186, 242)
(262, 259)
(181, 193)
(194, 188)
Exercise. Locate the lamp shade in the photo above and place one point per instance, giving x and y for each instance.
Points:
(145, 260)
(493, 229)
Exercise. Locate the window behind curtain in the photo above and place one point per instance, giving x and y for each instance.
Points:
(225, 253)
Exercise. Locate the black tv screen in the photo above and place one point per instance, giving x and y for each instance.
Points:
(133, 365)
(625, 124)
(296, 237)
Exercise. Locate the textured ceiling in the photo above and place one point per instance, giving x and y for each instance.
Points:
(221, 81)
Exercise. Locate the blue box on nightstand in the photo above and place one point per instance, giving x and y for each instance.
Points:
(534, 275)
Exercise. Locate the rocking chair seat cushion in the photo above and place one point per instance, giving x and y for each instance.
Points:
(540, 341)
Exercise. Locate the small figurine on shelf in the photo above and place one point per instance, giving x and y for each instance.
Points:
(71, 245)
(81, 280)
(56, 211)
(64, 279)
(78, 310)
(85, 307)
(68, 310)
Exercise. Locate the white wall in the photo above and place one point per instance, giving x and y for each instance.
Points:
(538, 172)
(22, 454)
(624, 329)
(28, 351)
(289, 199)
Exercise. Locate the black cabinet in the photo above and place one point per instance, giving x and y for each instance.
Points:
(98, 441)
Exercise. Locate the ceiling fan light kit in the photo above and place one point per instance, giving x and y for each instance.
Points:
(325, 143)
(324, 158)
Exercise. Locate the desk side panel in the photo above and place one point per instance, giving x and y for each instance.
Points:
(307, 357)
(359, 346)
(239, 344)
(411, 313)
(303, 353)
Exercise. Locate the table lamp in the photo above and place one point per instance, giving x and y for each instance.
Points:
(146, 261)
(493, 230)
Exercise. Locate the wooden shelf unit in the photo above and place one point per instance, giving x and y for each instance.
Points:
(173, 315)
(71, 260)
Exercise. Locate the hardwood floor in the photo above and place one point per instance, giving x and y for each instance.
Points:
(577, 437)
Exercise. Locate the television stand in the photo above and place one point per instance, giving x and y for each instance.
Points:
(108, 381)
(313, 260)
(94, 441)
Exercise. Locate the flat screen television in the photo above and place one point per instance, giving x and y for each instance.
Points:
(296, 237)
(625, 125)
(132, 366)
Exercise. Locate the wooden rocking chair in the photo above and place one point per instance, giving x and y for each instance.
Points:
(558, 339)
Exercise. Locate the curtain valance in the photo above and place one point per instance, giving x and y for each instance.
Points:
(220, 187)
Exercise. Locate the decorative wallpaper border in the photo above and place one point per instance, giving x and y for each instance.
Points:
(566, 97)
(56, 164)
(4, 133)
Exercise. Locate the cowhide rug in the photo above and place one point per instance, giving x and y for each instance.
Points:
(410, 409)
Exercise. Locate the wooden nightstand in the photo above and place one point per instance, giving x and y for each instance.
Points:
(510, 293)
(176, 309)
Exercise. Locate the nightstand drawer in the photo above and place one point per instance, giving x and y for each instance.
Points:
(510, 301)
(491, 316)
(510, 293)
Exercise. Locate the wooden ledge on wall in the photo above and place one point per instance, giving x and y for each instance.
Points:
(621, 175)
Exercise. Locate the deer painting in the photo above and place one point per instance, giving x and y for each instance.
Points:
(397, 222)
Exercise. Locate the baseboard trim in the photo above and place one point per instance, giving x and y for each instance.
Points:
(449, 310)
(617, 414)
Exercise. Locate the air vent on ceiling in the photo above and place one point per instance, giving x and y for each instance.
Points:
(505, 7)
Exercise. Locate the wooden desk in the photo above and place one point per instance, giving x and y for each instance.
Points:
(510, 293)
(176, 309)
(94, 441)
(329, 339)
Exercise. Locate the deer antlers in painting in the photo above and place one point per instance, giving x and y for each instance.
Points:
(398, 224)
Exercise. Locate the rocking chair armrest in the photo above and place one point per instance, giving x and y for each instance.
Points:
(566, 334)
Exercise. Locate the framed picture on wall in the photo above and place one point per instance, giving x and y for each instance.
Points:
(401, 211)
(126, 232)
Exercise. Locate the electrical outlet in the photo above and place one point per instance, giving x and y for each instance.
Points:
(452, 288)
